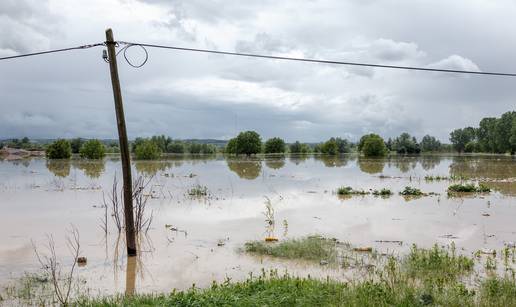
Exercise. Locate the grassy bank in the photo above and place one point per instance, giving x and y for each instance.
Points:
(438, 276)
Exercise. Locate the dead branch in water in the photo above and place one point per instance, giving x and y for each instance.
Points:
(141, 223)
(62, 285)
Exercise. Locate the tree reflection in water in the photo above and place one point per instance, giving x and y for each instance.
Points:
(275, 162)
(151, 168)
(60, 168)
(371, 166)
(245, 168)
(91, 168)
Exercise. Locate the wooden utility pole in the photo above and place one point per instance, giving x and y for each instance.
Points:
(124, 147)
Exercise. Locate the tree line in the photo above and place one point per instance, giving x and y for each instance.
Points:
(493, 135)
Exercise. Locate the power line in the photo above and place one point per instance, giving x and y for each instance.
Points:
(252, 55)
(51, 51)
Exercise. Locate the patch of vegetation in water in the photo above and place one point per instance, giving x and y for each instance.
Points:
(349, 191)
(423, 277)
(411, 191)
(315, 248)
(468, 188)
(198, 191)
(441, 178)
(343, 191)
(437, 263)
(383, 192)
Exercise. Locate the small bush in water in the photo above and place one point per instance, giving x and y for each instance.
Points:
(410, 191)
(60, 149)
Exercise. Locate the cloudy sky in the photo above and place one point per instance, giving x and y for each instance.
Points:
(193, 95)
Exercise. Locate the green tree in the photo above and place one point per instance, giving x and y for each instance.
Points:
(486, 134)
(330, 147)
(343, 145)
(430, 143)
(93, 149)
(503, 130)
(248, 143)
(231, 146)
(147, 150)
(299, 148)
(372, 145)
(137, 142)
(275, 145)
(176, 147)
(460, 137)
(60, 149)
(76, 144)
(405, 144)
(162, 142)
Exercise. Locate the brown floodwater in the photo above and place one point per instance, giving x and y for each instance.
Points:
(195, 240)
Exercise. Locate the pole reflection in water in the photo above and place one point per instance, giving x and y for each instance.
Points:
(130, 276)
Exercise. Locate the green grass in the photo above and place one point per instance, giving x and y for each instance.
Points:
(198, 191)
(468, 188)
(437, 263)
(424, 277)
(344, 191)
(410, 191)
(383, 192)
(314, 248)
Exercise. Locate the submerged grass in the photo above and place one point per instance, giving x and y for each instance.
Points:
(345, 191)
(315, 248)
(425, 277)
(349, 191)
(411, 191)
(468, 188)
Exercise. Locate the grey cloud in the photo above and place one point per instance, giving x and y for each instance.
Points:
(197, 95)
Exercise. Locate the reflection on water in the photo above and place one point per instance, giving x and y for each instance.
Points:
(484, 167)
(150, 168)
(333, 161)
(429, 162)
(91, 168)
(275, 162)
(245, 169)
(371, 166)
(404, 163)
(300, 192)
(60, 168)
(130, 275)
(298, 158)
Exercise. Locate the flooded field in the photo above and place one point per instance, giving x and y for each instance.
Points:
(204, 210)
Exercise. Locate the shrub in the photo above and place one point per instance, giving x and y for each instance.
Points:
(468, 188)
(60, 149)
(330, 147)
(350, 191)
(176, 147)
(299, 148)
(372, 145)
(410, 191)
(93, 149)
(275, 145)
(248, 143)
(382, 192)
(147, 150)
(76, 145)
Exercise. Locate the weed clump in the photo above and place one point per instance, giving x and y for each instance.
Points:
(410, 191)
(198, 191)
(437, 264)
(344, 191)
(468, 188)
(314, 248)
(383, 192)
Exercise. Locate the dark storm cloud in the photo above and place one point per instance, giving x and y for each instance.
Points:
(210, 96)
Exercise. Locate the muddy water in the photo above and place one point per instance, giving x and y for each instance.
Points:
(40, 198)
